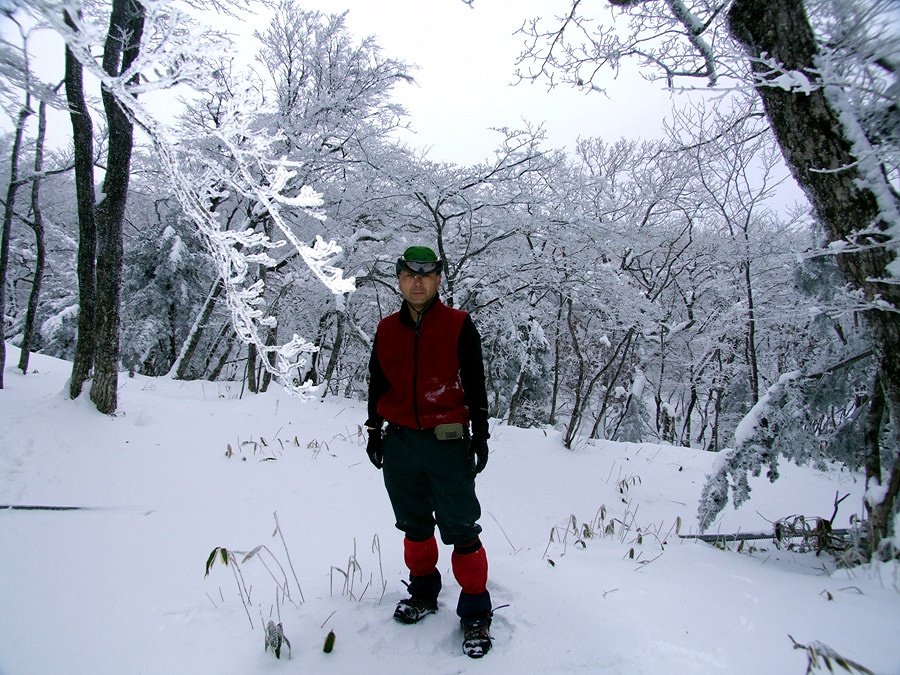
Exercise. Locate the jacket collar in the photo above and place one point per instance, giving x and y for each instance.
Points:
(405, 313)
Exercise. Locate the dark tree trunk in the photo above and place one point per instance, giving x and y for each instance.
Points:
(7, 224)
(576, 417)
(820, 156)
(557, 362)
(37, 225)
(251, 368)
(122, 46)
(83, 142)
(223, 357)
(750, 342)
(335, 355)
(874, 423)
(271, 341)
(625, 346)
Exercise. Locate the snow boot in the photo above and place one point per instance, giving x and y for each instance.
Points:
(422, 600)
(415, 608)
(476, 636)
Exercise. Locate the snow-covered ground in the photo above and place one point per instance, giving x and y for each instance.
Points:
(182, 468)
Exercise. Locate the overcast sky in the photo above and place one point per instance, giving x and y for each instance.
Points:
(466, 58)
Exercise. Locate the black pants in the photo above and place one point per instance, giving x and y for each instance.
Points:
(430, 482)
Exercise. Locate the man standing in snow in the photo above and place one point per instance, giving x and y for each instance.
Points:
(427, 382)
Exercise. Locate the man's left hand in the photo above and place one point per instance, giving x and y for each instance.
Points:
(478, 454)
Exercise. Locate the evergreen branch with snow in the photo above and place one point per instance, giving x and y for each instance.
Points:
(785, 423)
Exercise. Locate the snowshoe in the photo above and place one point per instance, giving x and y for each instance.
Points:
(476, 637)
(414, 609)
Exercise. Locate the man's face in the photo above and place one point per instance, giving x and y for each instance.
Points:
(418, 289)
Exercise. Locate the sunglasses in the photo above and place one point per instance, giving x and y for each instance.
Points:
(421, 268)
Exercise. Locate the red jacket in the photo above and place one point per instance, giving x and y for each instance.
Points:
(429, 374)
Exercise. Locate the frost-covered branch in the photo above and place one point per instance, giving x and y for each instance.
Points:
(785, 423)
(755, 439)
(179, 53)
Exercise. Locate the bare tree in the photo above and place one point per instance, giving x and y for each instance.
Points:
(37, 225)
(83, 144)
(466, 211)
(8, 211)
(827, 97)
(836, 162)
(23, 113)
(122, 47)
(734, 168)
(177, 51)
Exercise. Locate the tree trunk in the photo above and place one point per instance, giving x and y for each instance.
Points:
(685, 435)
(334, 357)
(271, 341)
(226, 337)
(83, 143)
(37, 225)
(24, 112)
(557, 360)
(625, 347)
(821, 157)
(321, 332)
(750, 340)
(251, 369)
(874, 422)
(223, 357)
(180, 367)
(576, 418)
(880, 514)
(122, 46)
(519, 387)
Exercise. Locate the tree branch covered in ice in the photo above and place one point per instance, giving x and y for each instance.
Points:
(179, 53)
(797, 420)
(754, 448)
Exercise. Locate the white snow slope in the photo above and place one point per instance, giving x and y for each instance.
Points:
(119, 587)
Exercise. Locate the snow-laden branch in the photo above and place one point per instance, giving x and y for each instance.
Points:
(178, 53)
(754, 441)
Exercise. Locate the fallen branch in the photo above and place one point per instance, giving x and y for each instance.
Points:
(741, 536)
(776, 537)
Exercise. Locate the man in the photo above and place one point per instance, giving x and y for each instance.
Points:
(427, 382)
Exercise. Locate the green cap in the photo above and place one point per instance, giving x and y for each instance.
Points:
(419, 260)
(419, 254)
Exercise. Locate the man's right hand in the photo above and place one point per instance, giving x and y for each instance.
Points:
(373, 448)
(478, 453)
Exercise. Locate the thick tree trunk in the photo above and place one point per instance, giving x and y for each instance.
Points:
(83, 143)
(37, 225)
(821, 157)
(121, 49)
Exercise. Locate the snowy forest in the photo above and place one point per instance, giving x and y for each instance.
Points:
(656, 290)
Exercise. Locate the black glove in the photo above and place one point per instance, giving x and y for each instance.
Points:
(373, 448)
(478, 454)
